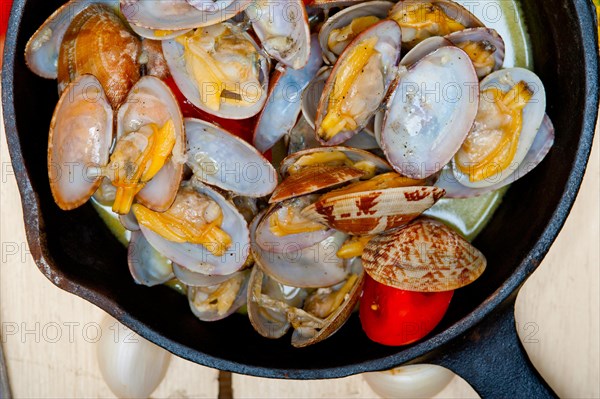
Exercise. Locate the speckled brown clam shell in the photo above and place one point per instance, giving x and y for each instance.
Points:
(372, 212)
(425, 256)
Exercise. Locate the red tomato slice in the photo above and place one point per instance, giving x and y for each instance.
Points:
(394, 317)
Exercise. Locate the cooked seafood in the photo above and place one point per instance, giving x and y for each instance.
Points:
(296, 226)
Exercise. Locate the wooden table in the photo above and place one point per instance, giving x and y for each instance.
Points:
(560, 302)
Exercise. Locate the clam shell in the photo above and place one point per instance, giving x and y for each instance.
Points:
(424, 48)
(542, 144)
(221, 159)
(282, 107)
(343, 18)
(178, 14)
(450, 8)
(197, 258)
(315, 266)
(309, 336)
(533, 115)
(174, 54)
(372, 212)
(270, 323)
(239, 301)
(80, 136)
(425, 256)
(282, 21)
(430, 112)
(353, 154)
(146, 265)
(312, 179)
(270, 242)
(151, 101)
(388, 46)
(193, 279)
(41, 51)
(98, 42)
(129, 221)
(482, 35)
(153, 60)
(153, 35)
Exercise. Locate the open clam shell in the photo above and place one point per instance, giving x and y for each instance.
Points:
(343, 18)
(544, 139)
(146, 265)
(283, 30)
(424, 48)
(151, 101)
(235, 289)
(80, 136)
(267, 316)
(193, 279)
(221, 159)
(374, 88)
(268, 241)
(154, 34)
(425, 256)
(372, 212)
(41, 51)
(489, 40)
(353, 154)
(532, 114)
(99, 43)
(179, 14)
(282, 107)
(195, 91)
(197, 258)
(430, 112)
(310, 330)
(407, 11)
(314, 266)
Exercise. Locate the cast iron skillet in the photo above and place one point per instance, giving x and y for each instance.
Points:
(476, 338)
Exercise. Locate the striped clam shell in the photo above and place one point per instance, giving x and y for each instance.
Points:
(372, 212)
(425, 256)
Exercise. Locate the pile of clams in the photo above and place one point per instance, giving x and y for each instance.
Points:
(361, 115)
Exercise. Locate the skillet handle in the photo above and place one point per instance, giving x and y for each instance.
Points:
(491, 358)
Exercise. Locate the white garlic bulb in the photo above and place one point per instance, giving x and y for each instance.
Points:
(413, 381)
(132, 367)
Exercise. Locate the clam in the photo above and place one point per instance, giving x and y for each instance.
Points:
(220, 70)
(312, 266)
(282, 107)
(420, 19)
(271, 322)
(544, 139)
(157, 34)
(484, 46)
(98, 42)
(315, 169)
(219, 301)
(358, 83)
(152, 59)
(221, 159)
(429, 113)
(147, 162)
(283, 227)
(202, 231)
(340, 29)
(425, 256)
(511, 111)
(382, 203)
(147, 266)
(283, 30)
(176, 15)
(273, 308)
(79, 140)
(41, 51)
(310, 101)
